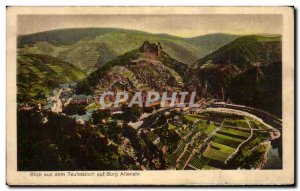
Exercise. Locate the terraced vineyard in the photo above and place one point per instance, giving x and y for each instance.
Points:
(172, 157)
(215, 154)
(120, 73)
(198, 162)
(207, 144)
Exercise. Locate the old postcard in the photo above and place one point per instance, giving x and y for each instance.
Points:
(150, 96)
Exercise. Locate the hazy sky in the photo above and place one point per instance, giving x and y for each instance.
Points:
(180, 25)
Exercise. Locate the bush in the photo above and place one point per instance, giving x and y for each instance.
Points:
(99, 115)
(73, 109)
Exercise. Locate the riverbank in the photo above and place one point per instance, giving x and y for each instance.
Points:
(264, 160)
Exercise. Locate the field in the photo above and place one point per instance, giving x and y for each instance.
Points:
(206, 128)
(191, 118)
(223, 148)
(226, 141)
(215, 154)
(234, 132)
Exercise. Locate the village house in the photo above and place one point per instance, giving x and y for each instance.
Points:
(24, 107)
(81, 99)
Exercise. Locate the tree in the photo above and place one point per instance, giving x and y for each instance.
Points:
(83, 87)
(73, 109)
(99, 115)
(63, 144)
(132, 113)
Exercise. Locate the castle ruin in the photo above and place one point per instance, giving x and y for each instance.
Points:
(151, 50)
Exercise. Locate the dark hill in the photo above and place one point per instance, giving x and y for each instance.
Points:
(245, 51)
(263, 91)
(69, 36)
(211, 42)
(246, 71)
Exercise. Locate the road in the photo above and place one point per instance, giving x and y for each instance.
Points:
(148, 121)
(267, 117)
(239, 112)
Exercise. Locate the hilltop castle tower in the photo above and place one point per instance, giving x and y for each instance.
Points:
(151, 50)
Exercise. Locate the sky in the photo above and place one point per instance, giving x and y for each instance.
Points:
(179, 25)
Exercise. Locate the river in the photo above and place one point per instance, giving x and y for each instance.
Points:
(274, 159)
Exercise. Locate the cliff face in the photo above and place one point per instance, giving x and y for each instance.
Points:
(261, 90)
(246, 71)
(212, 81)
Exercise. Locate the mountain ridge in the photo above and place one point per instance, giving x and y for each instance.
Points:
(67, 44)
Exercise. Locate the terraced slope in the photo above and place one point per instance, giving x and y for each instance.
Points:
(208, 140)
(37, 74)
